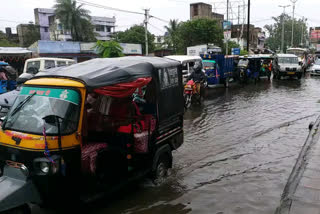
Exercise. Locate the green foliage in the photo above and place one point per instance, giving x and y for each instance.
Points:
(75, 19)
(244, 53)
(32, 35)
(275, 31)
(231, 44)
(4, 42)
(172, 39)
(109, 49)
(197, 32)
(136, 35)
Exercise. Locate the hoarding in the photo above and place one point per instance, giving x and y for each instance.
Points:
(315, 34)
(227, 25)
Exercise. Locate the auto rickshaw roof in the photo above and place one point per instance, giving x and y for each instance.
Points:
(101, 72)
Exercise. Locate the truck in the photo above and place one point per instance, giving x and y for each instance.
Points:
(219, 68)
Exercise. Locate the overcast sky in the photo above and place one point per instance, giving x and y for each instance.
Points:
(21, 11)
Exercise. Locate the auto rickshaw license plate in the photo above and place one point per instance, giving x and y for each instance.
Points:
(290, 73)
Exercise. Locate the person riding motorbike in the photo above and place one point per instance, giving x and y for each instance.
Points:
(198, 76)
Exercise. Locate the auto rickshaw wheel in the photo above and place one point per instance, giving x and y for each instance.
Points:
(161, 170)
(187, 100)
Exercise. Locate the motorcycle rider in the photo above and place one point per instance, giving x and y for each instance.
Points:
(197, 76)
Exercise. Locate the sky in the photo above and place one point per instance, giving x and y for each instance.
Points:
(21, 11)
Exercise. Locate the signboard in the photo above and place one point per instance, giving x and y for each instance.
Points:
(227, 35)
(315, 34)
(235, 51)
(227, 25)
(131, 49)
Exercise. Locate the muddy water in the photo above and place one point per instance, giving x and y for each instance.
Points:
(240, 147)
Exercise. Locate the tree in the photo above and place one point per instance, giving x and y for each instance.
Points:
(75, 19)
(109, 49)
(4, 42)
(197, 32)
(172, 37)
(273, 42)
(136, 35)
(32, 34)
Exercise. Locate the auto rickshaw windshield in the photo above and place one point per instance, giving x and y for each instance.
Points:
(243, 62)
(61, 102)
(209, 64)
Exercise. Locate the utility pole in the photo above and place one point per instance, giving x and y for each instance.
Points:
(248, 28)
(282, 35)
(302, 33)
(293, 8)
(146, 19)
(227, 27)
(238, 29)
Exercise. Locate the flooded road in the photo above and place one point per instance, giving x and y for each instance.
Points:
(240, 147)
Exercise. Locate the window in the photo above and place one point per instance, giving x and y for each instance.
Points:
(46, 29)
(33, 67)
(168, 77)
(195, 10)
(61, 63)
(49, 64)
(108, 29)
(100, 28)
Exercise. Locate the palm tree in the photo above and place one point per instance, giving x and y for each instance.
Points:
(172, 33)
(72, 18)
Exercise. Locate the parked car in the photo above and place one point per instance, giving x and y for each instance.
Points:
(35, 65)
(315, 68)
(286, 65)
(187, 63)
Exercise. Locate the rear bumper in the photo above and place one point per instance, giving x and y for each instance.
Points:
(16, 190)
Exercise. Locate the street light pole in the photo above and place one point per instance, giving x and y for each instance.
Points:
(248, 28)
(293, 8)
(227, 28)
(282, 35)
(146, 19)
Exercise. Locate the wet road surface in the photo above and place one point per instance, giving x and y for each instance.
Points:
(240, 147)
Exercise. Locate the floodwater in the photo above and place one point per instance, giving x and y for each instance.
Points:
(240, 147)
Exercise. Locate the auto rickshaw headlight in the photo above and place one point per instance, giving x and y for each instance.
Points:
(44, 166)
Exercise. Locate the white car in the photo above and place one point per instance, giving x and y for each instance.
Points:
(315, 68)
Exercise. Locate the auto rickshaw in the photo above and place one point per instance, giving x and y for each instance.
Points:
(248, 68)
(266, 65)
(83, 131)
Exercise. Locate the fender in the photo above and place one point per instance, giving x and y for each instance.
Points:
(165, 149)
(16, 190)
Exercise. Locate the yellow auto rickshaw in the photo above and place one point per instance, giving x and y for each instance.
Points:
(83, 131)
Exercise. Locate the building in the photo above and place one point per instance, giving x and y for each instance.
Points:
(78, 51)
(41, 16)
(104, 27)
(12, 37)
(203, 10)
(315, 37)
(15, 56)
(28, 34)
(239, 35)
(52, 29)
(159, 42)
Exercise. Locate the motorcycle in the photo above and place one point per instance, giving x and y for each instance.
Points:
(191, 93)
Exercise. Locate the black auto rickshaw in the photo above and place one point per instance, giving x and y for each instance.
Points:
(248, 68)
(266, 65)
(83, 131)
